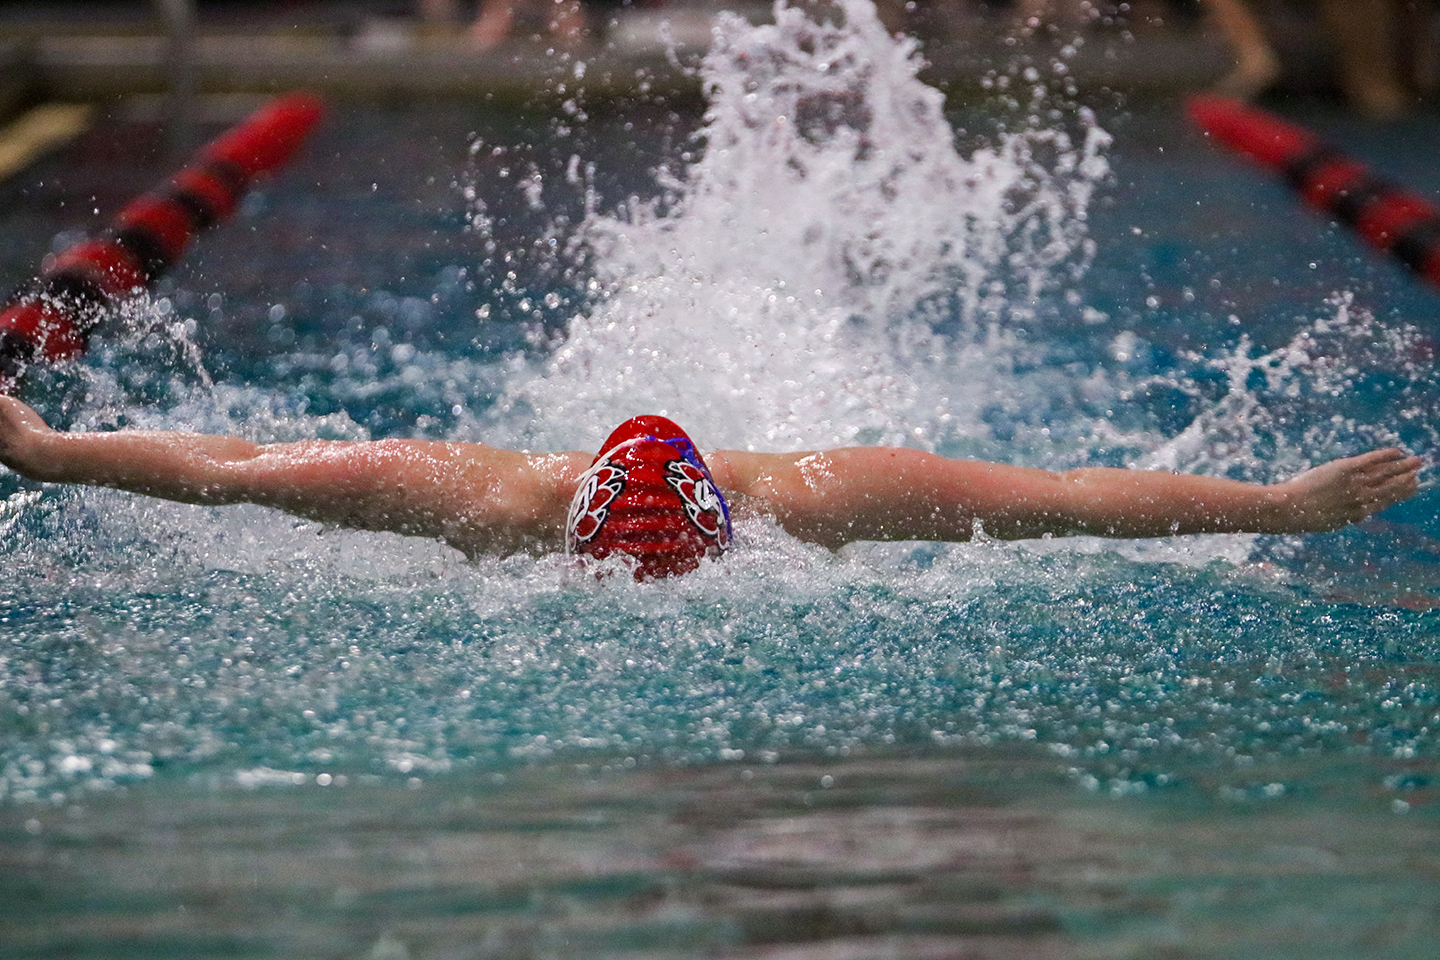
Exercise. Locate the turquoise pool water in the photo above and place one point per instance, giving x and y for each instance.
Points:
(225, 733)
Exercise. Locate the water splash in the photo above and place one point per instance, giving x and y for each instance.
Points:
(1312, 399)
(770, 295)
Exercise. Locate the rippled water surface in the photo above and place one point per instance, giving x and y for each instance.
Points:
(227, 733)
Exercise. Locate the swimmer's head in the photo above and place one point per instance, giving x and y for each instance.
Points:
(649, 497)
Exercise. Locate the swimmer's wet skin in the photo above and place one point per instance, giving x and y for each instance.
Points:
(484, 500)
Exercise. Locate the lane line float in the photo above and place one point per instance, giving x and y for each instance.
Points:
(50, 319)
(1388, 216)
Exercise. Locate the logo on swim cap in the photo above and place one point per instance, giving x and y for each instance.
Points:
(703, 504)
(650, 497)
(599, 487)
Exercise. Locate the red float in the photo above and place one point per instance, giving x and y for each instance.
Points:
(1388, 216)
(50, 319)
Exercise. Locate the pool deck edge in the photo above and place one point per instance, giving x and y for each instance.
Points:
(404, 62)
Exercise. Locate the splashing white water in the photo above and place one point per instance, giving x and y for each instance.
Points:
(770, 301)
(1280, 412)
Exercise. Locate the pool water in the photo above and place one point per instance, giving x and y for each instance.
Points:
(227, 733)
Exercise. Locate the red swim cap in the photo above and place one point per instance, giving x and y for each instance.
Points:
(649, 496)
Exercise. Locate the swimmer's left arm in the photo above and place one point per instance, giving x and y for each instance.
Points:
(477, 498)
(877, 493)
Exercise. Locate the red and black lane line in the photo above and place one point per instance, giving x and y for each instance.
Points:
(1388, 216)
(50, 319)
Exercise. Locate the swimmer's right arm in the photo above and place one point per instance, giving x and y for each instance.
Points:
(479, 499)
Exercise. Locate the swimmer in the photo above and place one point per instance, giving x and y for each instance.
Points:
(652, 497)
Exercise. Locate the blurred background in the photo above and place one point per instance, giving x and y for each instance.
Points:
(1379, 54)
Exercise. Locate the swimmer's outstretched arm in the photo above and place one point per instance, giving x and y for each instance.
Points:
(482, 499)
(877, 493)
(479, 499)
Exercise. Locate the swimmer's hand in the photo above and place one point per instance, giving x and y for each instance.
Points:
(22, 433)
(1346, 491)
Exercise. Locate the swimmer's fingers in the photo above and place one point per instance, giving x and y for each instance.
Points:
(1380, 467)
(1385, 462)
(1389, 476)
